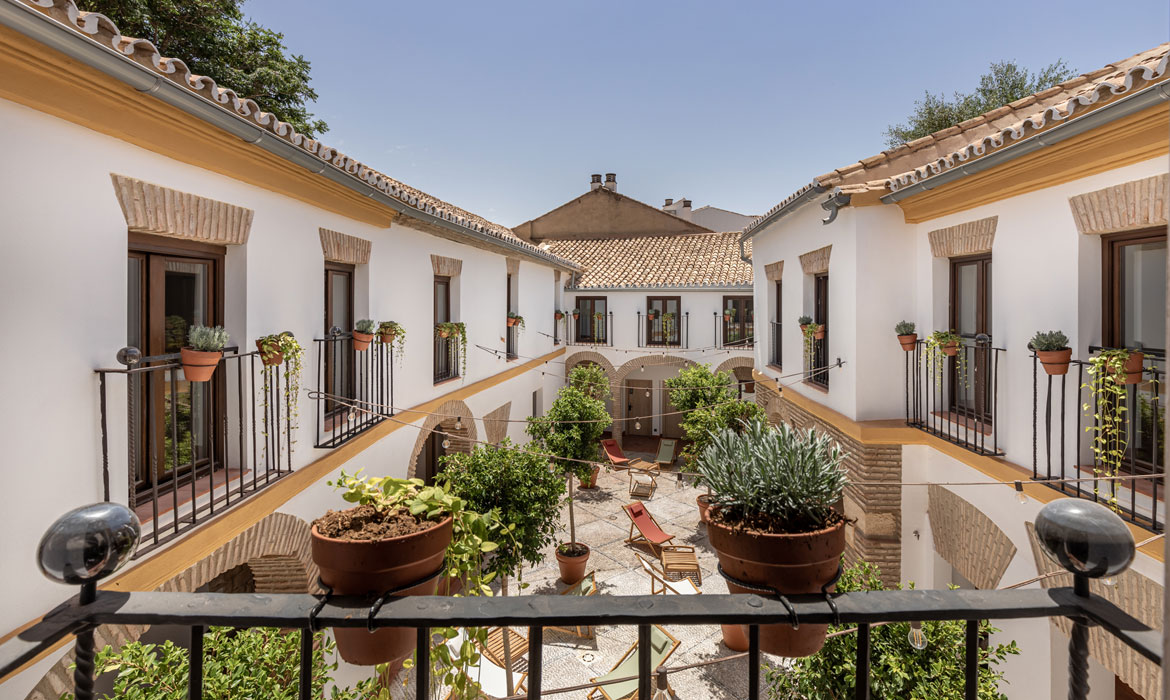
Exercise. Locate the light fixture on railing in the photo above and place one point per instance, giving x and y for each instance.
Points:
(916, 636)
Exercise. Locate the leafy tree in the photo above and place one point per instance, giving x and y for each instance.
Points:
(1004, 82)
(258, 662)
(698, 385)
(215, 39)
(708, 398)
(591, 380)
(897, 670)
(518, 485)
(702, 424)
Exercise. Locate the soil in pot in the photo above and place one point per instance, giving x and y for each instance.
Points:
(908, 341)
(592, 483)
(362, 552)
(1055, 361)
(790, 563)
(572, 559)
(198, 366)
(361, 341)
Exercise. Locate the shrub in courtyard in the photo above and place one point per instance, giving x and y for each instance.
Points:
(591, 380)
(708, 401)
(897, 669)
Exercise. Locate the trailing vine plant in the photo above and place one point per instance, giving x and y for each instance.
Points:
(1107, 408)
(282, 344)
(455, 329)
(810, 331)
(397, 335)
(936, 359)
(517, 319)
(667, 326)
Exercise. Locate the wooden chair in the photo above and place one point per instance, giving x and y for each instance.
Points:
(517, 644)
(667, 451)
(613, 452)
(643, 480)
(662, 646)
(659, 584)
(676, 559)
(491, 676)
(585, 587)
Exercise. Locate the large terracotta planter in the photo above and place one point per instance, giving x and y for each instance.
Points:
(704, 502)
(908, 341)
(1133, 367)
(361, 341)
(734, 637)
(950, 349)
(271, 359)
(354, 567)
(573, 568)
(198, 366)
(790, 564)
(1055, 361)
(592, 482)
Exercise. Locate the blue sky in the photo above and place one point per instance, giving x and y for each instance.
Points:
(505, 108)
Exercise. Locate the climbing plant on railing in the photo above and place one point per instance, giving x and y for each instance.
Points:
(393, 335)
(457, 330)
(276, 349)
(1107, 409)
(939, 346)
(667, 326)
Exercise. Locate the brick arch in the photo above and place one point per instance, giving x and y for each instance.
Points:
(734, 362)
(624, 371)
(449, 415)
(273, 553)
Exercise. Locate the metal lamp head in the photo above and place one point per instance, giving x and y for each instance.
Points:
(129, 356)
(88, 543)
(1085, 538)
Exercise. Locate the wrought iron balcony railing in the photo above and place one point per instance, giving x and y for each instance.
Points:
(590, 330)
(195, 449)
(512, 345)
(734, 334)
(956, 397)
(347, 374)
(661, 332)
(1066, 418)
(447, 360)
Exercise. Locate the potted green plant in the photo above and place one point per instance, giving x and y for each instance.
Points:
(1051, 347)
(598, 317)
(558, 314)
(392, 334)
(668, 326)
(457, 330)
(728, 314)
(397, 535)
(803, 321)
(572, 430)
(1106, 411)
(363, 334)
(276, 348)
(773, 522)
(203, 351)
(940, 345)
(906, 335)
(576, 314)
(652, 314)
(515, 319)
(812, 332)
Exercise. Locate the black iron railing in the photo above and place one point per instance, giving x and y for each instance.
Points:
(1066, 416)
(734, 333)
(195, 449)
(355, 388)
(590, 330)
(556, 336)
(512, 345)
(816, 360)
(309, 613)
(956, 397)
(776, 359)
(447, 360)
(661, 332)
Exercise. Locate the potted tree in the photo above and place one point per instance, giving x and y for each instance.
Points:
(773, 522)
(392, 334)
(363, 334)
(1051, 347)
(396, 538)
(203, 351)
(515, 319)
(572, 430)
(906, 335)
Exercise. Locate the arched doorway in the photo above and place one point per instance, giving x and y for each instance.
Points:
(452, 429)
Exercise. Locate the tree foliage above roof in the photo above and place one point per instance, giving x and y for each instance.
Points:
(215, 39)
(1004, 82)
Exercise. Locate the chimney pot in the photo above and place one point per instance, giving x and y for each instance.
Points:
(594, 181)
(686, 204)
(669, 201)
(611, 181)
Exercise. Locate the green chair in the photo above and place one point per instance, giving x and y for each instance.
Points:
(662, 645)
(666, 452)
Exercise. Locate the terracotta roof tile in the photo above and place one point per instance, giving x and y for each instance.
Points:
(691, 260)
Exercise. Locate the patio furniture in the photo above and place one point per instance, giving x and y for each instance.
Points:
(677, 559)
(662, 646)
(585, 587)
(613, 452)
(667, 449)
(492, 678)
(643, 480)
(517, 643)
(659, 584)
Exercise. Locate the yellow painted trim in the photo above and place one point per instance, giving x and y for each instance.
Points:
(896, 432)
(1133, 139)
(201, 543)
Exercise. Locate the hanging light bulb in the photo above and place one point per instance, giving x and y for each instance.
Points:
(1020, 495)
(446, 443)
(642, 368)
(458, 423)
(637, 425)
(351, 416)
(917, 637)
(647, 393)
(1110, 581)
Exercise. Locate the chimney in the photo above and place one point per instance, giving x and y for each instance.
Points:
(686, 209)
(669, 201)
(611, 182)
(594, 181)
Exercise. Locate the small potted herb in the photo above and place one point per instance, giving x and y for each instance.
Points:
(576, 314)
(276, 348)
(558, 314)
(392, 334)
(803, 322)
(773, 521)
(906, 335)
(1051, 347)
(515, 319)
(652, 314)
(728, 314)
(203, 351)
(363, 334)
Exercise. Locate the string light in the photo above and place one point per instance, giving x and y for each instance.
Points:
(647, 393)
(637, 425)
(458, 423)
(1110, 581)
(446, 443)
(1020, 495)
(916, 636)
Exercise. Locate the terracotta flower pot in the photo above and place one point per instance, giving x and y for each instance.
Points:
(592, 482)
(361, 341)
(444, 334)
(802, 327)
(273, 358)
(198, 366)
(1133, 367)
(727, 318)
(387, 338)
(704, 502)
(511, 321)
(1055, 361)
(734, 637)
(789, 563)
(355, 567)
(558, 315)
(908, 341)
(820, 335)
(576, 316)
(572, 568)
(950, 349)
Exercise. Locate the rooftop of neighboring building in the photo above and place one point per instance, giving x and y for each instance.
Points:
(701, 260)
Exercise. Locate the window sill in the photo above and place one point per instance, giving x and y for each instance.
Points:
(448, 380)
(813, 385)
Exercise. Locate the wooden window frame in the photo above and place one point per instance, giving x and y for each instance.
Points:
(593, 304)
(749, 306)
(984, 314)
(1111, 295)
(333, 408)
(665, 300)
(820, 358)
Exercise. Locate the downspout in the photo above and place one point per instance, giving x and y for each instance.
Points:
(72, 43)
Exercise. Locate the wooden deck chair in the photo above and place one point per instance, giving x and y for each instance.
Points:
(662, 646)
(659, 584)
(643, 480)
(518, 644)
(613, 452)
(677, 559)
(492, 678)
(667, 449)
(585, 587)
